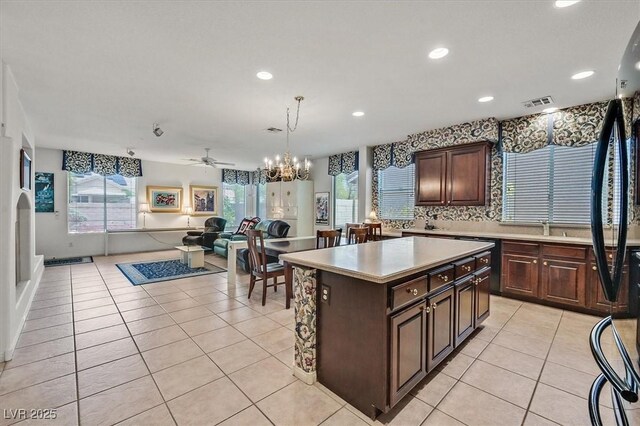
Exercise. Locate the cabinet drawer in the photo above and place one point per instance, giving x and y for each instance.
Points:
(464, 267)
(440, 277)
(574, 252)
(528, 248)
(408, 292)
(483, 259)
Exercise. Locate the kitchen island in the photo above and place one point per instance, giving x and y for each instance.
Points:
(373, 319)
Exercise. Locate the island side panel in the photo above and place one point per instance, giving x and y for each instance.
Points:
(352, 340)
(304, 295)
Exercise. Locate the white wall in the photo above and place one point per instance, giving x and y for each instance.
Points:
(322, 183)
(15, 297)
(53, 240)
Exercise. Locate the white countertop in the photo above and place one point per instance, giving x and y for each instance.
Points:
(387, 260)
(506, 236)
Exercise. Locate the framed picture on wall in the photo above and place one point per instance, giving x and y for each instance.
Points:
(25, 170)
(44, 192)
(322, 208)
(204, 199)
(164, 199)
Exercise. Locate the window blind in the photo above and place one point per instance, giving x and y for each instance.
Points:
(396, 193)
(551, 184)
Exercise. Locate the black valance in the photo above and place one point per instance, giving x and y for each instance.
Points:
(343, 163)
(398, 154)
(105, 165)
(231, 176)
(259, 177)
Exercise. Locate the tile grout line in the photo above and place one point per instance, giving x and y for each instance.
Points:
(75, 352)
(139, 352)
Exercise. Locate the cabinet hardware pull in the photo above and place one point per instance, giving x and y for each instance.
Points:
(428, 309)
(535, 261)
(545, 263)
(413, 291)
(434, 306)
(594, 268)
(466, 268)
(485, 261)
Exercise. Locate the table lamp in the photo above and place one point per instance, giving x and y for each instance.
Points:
(373, 218)
(188, 210)
(144, 209)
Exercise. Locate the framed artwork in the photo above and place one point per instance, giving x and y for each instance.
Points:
(204, 199)
(25, 170)
(164, 199)
(322, 208)
(44, 192)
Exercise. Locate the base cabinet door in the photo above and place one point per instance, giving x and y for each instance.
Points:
(465, 308)
(408, 350)
(482, 283)
(564, 281)
(440, 327)
(520, 274)
(596, 298)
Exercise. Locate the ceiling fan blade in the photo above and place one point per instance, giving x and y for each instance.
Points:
(223, 163)
(192, 159)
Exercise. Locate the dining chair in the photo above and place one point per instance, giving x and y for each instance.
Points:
(260, 269)
(375, 231)
(357, 235)
(328, 238)
(348, 226)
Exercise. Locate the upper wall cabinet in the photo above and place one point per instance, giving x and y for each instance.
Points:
(454, 176)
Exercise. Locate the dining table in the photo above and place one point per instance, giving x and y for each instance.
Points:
(277, 247)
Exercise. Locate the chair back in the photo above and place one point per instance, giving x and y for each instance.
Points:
(278, 229)
(357, 235)
(215, 224)
(328, 238)
(375, 231)
(348, 226)
(257, 258)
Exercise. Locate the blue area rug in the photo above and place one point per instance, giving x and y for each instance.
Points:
(163, 270)
(68, 261)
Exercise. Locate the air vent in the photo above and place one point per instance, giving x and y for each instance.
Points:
(273, 130)
(545, 100)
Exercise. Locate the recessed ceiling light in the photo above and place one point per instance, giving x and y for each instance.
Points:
(358, 114)
(581, 75)
(565, 3)
(439, 53)
(264, 75)
(485, 99)
(549, 110)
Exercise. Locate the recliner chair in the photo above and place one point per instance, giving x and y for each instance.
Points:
(272, 229)
(212, 229)
(221, 245)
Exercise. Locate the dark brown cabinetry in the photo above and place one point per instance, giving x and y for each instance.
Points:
(482, 282)
(465, 308)
(440, 327)
(455, 176)
(408, 350)
(560, 274)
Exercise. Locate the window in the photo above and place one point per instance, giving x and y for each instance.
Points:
(345, 199)
(261, 200)
(396, 192)
(97, 203)
(234, 204)
(551, 184)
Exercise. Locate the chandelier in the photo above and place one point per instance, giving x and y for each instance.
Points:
(288, 167)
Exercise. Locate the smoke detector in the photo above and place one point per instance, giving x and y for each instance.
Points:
(532, 103)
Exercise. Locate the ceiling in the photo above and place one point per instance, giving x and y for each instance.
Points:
(94, 76)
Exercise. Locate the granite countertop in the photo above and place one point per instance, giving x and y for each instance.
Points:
(505, 236)
(387, 260)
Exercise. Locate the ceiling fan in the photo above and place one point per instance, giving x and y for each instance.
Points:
(208, 161)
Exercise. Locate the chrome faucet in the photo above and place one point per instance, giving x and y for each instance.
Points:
(545, 228)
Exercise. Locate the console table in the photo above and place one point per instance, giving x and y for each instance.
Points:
(144, 231)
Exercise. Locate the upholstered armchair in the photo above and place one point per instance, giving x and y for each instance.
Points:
(212, 229)
(271, 229)
(220, 245)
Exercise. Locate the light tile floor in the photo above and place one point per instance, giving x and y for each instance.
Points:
(195, 351)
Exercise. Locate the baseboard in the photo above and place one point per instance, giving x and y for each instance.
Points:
(306, 377)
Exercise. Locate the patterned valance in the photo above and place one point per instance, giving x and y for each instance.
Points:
(105, 165)
(525, 134)
(398, 154)
(343, 163)
(258, 177)
(579, 125)
(240, 177)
